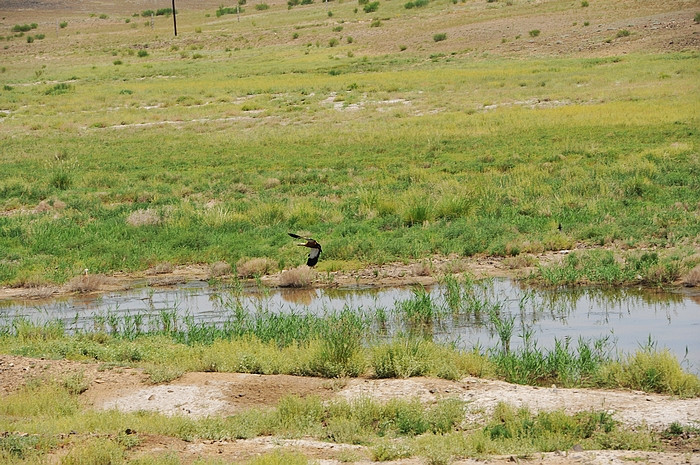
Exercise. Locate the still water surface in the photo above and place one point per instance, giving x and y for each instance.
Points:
(628, 317)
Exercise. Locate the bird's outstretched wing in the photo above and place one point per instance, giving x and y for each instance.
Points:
(313, 257)
(297, 236)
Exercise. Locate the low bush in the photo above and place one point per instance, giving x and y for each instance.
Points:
(371, 7)
(255, 267)
(297, 277)
(416, 4)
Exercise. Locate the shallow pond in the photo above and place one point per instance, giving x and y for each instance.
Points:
(629, 318)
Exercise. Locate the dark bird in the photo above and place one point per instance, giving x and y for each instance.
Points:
(311, 244)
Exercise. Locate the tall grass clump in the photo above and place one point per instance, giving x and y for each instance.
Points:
(97, 451)
(651, 370)
(407, 356)
(339, 351)
(40, 399)
(564, 365)
(419, 310)
(605, 267)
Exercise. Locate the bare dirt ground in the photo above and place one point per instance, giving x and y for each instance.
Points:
(220, 394)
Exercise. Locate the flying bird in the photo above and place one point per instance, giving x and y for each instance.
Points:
(311, 244)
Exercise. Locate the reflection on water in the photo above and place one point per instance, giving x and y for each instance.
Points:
(627, 316)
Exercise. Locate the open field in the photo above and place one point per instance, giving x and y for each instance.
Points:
(126, 148)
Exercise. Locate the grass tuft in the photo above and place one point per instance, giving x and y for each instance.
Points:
(301, 276)
(255, 267)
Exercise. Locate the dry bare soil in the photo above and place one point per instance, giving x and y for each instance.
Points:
(215, 394)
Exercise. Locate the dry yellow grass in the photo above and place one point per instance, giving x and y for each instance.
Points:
(250, 268)
(86, 283)
(692, 278)
(297, 277)
(219, 269)
(143, 217)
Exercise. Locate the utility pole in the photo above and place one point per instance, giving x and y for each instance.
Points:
(174, 19)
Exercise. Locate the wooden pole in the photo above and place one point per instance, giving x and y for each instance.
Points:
(174, 19)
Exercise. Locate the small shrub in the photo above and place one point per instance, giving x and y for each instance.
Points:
(297, 277)
(117, 63)
(622, 33)
(376, 22)
(63, 24)
(697, 18)
(76, 383)
(103, 16)
(333, 42)
(534, 33)
(161, 268)
(219, 269)
(584, 3)
(692, 279)
(391, 450)
(295, 35)
(60, 88)
(142, 53)
(371, 7)
(251, 268)
(416, 4)
(162, 373)
(30, 39)
(402, 48)
(421, 269)
(225, 11)
(86, 283)
(440, 37)
(21, 28)
(262, 6)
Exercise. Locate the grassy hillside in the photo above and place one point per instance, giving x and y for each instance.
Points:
(467, 127)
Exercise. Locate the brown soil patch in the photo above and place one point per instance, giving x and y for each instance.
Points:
(425, 272)
(219, 394)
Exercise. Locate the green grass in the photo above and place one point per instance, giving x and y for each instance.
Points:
(485, 171)
(340, 345)
(607, 267)
(392, 429)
